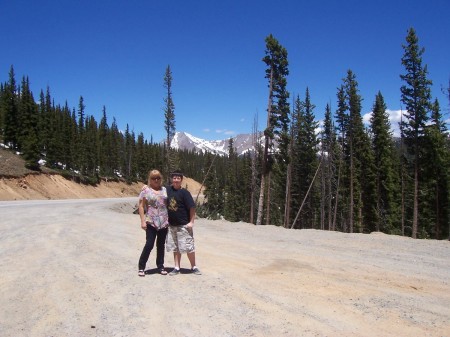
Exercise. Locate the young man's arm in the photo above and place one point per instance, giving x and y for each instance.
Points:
(192, 215)
(189, 202)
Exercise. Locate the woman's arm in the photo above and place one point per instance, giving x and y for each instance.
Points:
(142, 207)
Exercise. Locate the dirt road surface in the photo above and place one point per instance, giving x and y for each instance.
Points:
(69, 268)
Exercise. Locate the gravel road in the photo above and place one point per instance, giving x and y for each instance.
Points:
(69, 268)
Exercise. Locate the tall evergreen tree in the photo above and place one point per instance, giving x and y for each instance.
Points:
(356, 190)
(52, 131)
(171, 162)
(91, 138)
(277, 113)
(81, 113)
(305, 160)
(128, 154)
(11, 112)
(341, 197)
(436, 174)
(81, 138)
(2, 110)
(354, 105)
(329, 157)
(47, 128)
(415, 95)
(69, 136)
(289, 173)
(116, 149)
(75, 146)
(362, 187)
(141, 159)
(383, 148)
(231, 203)
(28, 134)
(104, 145)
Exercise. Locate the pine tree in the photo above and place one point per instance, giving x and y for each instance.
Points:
(46, 128)
(43, 125)
(277, 116)
(11, 112)
(75, 146)
(416, 95)
(383, 148)
(81, 138)
(329, 158)
(366, 170)
(342, 192)
(128, 154)
(51, 130)
(231, 203)
(2, 110)
(69, 138)
(362, 187)
(116, 149)
(171, 160)
(28, 134)
(141, 160)
(354, 106)
(104, 145)
(355, 187)
(91, 138)
(304, 160)
(436, 173)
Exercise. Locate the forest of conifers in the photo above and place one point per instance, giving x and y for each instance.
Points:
(349, 177)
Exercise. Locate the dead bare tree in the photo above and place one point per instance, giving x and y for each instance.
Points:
(255, 144)
(287, 204)
(306, 195)
(204, 179)
(264, 168)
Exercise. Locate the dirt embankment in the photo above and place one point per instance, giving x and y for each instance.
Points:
(19, 183)
(51, 186)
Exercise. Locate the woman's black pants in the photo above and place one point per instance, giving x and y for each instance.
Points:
(150, 235)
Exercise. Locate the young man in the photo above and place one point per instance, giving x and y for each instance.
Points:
(180, 238)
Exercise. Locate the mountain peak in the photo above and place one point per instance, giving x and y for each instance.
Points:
(185, 141)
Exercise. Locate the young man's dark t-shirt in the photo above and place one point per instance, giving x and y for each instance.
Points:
(179, 203)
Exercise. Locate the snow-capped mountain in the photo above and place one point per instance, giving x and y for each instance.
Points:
(185, 141)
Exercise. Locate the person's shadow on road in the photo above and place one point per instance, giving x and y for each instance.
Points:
(168, 270)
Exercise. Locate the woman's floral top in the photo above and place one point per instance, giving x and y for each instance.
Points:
(156, 213)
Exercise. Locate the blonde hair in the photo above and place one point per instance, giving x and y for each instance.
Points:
(154, 173)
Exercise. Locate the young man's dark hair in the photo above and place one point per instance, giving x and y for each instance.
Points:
(177, 173)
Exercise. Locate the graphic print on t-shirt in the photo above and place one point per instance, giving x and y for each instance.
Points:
(173, 205)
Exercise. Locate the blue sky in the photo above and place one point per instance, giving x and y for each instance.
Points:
(114, 54)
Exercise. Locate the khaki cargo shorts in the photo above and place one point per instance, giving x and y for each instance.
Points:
(180, 239)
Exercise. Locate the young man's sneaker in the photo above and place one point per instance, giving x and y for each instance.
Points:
(174, 272)
(196, 271)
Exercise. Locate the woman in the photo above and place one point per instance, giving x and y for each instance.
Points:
(154, 220)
